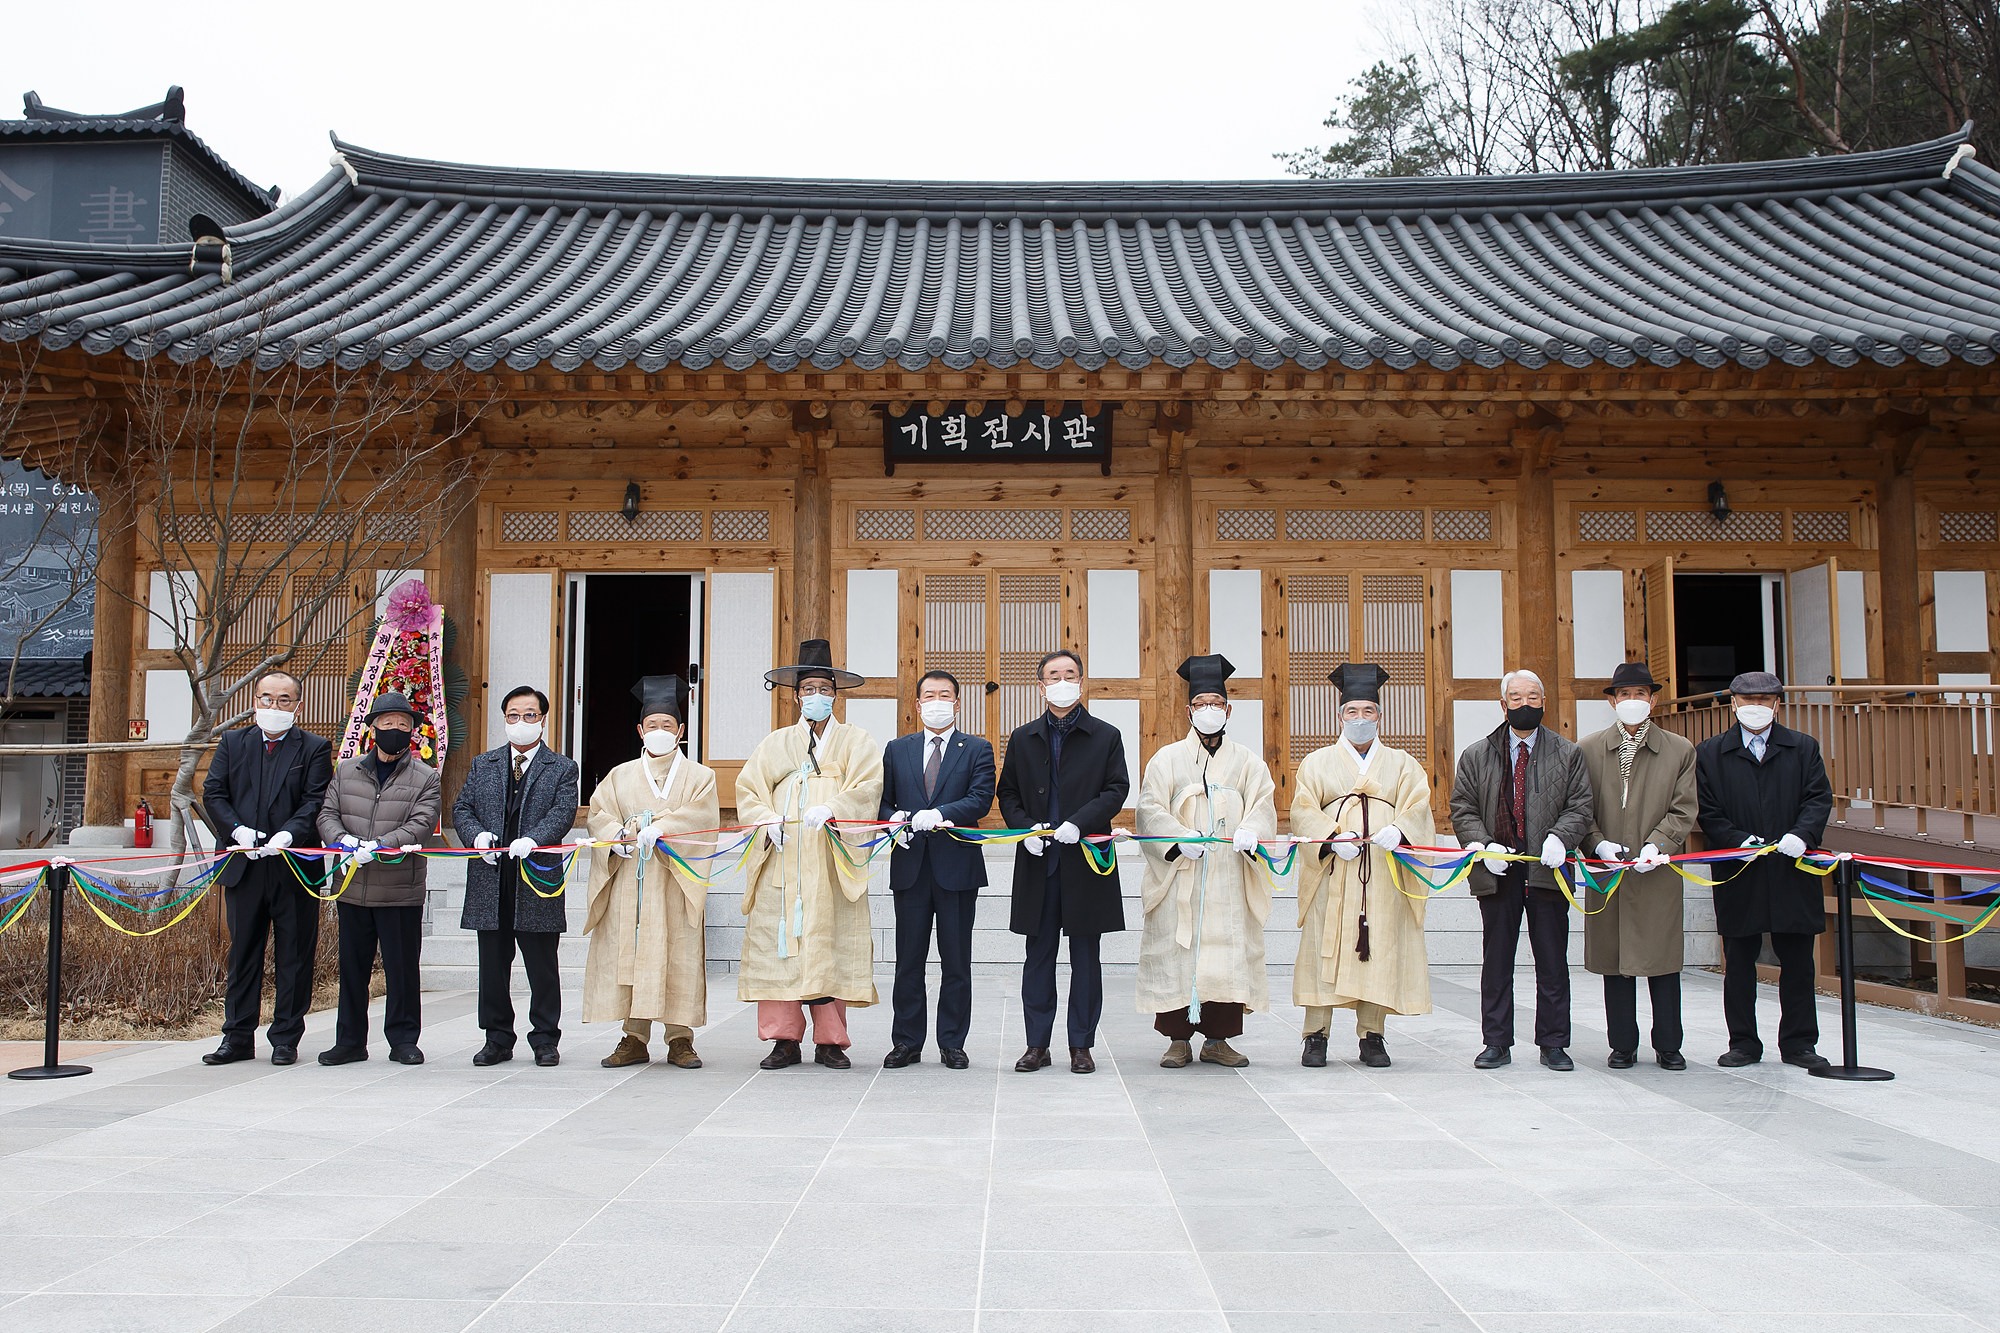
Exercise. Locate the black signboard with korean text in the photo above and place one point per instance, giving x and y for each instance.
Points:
(1043, 433)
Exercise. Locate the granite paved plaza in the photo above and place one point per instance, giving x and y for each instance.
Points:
(161, 1195)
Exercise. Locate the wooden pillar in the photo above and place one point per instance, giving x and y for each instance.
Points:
(104, 794)
(458, 593)
(1896, 528)
(1173, 585)
(1535, 512)
(812, 535)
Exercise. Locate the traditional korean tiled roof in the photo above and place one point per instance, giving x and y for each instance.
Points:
(49, 678)
(163, 120)
(1885, 255)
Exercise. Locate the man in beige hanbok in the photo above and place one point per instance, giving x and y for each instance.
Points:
(1201, 957)
(807, 941)
(647, 960)
(1361, 938)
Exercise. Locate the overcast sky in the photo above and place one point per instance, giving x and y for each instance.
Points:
(1008, 90)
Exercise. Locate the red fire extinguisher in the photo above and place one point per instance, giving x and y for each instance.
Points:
(142, 825)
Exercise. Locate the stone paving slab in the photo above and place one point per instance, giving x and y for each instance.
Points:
(158, 1194)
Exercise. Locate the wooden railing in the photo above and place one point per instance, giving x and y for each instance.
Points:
(1927, 748)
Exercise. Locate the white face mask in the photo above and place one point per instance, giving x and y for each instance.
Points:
(1360, 731)
(816, 707)
(937, 713)
(274, 721)
(1633, 711)
(523, 733)
(1209, 719)
(1062, 693)
(660, 742)
(1755, 716)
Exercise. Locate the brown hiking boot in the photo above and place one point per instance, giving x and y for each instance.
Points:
(1179, 1056)
(631, 1051)
(680, 1053)
(1220, 1052)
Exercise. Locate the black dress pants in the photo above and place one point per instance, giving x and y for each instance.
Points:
(399, 932)
(1621, 1011)
(269, 904)
(538, 949)
(953, 911)
(1038, 978)
(1500, 915)
(1798, 1019)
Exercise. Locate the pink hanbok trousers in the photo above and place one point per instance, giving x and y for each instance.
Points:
(786, 1020)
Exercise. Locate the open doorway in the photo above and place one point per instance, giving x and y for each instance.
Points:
(617, 628)
(1724, 624)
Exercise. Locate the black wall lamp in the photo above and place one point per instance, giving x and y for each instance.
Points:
(631, 509)
(1718, 501)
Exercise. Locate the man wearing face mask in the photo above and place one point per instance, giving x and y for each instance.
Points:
(1361, 940)
(1522, 789)
(806, 937)
(522, 795)
(1065, 774)
(263, 794)
(646, 913)
(1762, 784)
(1642, 780)
(937, 779)
(1201, 958)
(380, 806)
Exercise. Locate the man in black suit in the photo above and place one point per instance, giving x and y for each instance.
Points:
(263, 795)
(1065, 773)
(937, 778)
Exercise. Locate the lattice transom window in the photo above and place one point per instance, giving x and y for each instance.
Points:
(1100, 525)
(993, 525)
(885, 525)
(740, 525)
(1968, 525)
(1246, 525)
(1354, 525)
(530, 525)
(653, 525)
(1461, 525)
(1822, 527)
(1699, 525)
(1607, 525)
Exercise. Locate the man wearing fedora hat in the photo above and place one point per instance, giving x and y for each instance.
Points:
(1642, 785)
(806, 937)
(380, 806)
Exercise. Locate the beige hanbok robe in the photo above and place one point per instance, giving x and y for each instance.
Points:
(807, 934)
(1329, 972)
(646, 915)
(1204, 931)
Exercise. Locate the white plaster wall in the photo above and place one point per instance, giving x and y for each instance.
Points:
(872, 623)
(1113, 623)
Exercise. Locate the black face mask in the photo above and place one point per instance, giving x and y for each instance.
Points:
(1525, 718)
(390, 741)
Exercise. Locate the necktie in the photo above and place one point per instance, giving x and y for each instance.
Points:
(1521, 794)
(270, 746)
(520, 766)
(931, 766)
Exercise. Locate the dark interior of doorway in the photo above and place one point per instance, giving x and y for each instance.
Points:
(633, 625)
(1718, 629)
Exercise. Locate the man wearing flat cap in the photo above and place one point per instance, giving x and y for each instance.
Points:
(1643, 804)
(648, 958)
(1361, 940)
(1762, 784)
(1201, 957)
(806, 939)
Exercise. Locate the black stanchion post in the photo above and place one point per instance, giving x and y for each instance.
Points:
(1850, 1067)
(58, 890)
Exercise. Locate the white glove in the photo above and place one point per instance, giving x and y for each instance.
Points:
(1036, 846)
(349, 841)
(1121, 834)
(1067, 833)
(645, 837)
(1752, 841)
(925, 820)
(485, 841)
(1347, 846)
(1552, 852)
(1791, 846)
(816, 818)
(776, 833)
(900, 827)
(1610, 851)
(1245, 840)
(1193, 851)
(246, 837)
(365, 853)
(1389, 839)
(279, 841)
(1649, 859)
(410, 847)
(623, 849)
(520, 847)
(1495, 865)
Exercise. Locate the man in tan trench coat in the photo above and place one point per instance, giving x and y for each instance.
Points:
(1642, 778)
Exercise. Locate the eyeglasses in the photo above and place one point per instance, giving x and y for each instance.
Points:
(275, 700)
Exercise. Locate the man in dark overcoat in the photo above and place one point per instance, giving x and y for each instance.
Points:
(262, 795)
(1064, 773)
(1760, 784)
(517, 797)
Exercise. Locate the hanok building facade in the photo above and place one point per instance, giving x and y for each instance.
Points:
(1718, 417)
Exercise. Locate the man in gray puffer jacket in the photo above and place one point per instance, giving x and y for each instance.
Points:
(381, 804)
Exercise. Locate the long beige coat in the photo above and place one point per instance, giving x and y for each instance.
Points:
(1204, 931)
(1397, 973)
(648, 954)
(807, 933)
(1639, 932)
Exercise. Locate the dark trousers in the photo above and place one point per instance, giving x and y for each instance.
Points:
(269, 904)
(399, 932)
(538, 950)
(1548, 936)
(953, 910)
(1217, 1020)
(1621, 1011)
(1798, 1019)
(1038, 979)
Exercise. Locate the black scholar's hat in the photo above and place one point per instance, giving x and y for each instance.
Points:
(1207, 675)
(815, 659)
(1359, 680)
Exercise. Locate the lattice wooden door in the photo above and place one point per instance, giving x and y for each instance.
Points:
(992, 627)
(1378, 617)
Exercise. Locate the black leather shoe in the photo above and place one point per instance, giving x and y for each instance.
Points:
(1807, 1059)
(493, 1054)
(284, 1055)
(831, 1056)
(229, 1054)
(1556, 1058)
(1738, 1056)
(1080, 1061)
(901, 1056)
(1671, 1060)
(1035, 1057)
(548, 1057)
(1372, 1053)
(406, 1055)
(343, 1055)
(1623, 1059)
(784, 1053)
(953, 1057)
(1493, 1057)
(1314, 1055)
